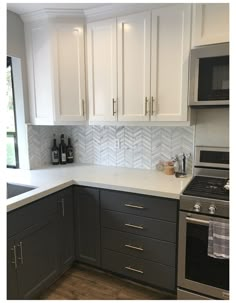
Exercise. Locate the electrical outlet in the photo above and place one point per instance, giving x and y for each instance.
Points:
(117, 141)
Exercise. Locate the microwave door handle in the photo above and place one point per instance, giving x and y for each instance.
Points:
(197, 221)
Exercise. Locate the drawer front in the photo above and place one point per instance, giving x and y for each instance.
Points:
(147, 206)
(29, 215)
(141, 247)
(147, 227)
(139, 269)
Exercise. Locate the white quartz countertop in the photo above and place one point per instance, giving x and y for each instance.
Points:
(52, 179)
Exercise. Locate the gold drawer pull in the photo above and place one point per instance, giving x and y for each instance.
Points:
(134, 226)
(13, 249)
(21, 253)
(134, 206)
(134, 247)
(133, 269)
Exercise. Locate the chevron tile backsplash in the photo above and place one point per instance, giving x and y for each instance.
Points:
(139, 147)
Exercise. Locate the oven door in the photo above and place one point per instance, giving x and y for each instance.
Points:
(197, 271)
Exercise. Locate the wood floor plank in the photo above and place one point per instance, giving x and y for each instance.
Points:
(86, 283)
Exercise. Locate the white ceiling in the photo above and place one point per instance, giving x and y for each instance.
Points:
(23, 8)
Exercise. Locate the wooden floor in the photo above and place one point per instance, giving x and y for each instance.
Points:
(85, 283)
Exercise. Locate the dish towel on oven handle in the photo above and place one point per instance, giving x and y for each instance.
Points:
(218, 239)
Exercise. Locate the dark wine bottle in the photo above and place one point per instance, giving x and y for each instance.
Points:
(62, 150)
(55, 152)
(69, 152)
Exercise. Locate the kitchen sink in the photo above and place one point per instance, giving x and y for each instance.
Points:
(17, 189)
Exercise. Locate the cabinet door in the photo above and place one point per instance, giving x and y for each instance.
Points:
(134, 67)
(69, 73)
(170, 53)
(39, 72)
(102, 70)
(210, 23)
(12, 287)
(66, 229)
(37, 254)
(87, 225)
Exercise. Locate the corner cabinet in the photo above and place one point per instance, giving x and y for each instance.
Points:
(87, 222)
(210, 23)
(56, 71)
(151, 82)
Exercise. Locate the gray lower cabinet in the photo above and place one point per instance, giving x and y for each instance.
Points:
(139, 269)
(162, 252)
(87, 221)
(37, 258)
(32, 259)
(129, 234)
(40, 244)
(66, 228)
(138, 237)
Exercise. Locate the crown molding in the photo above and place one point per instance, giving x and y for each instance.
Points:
(52, 13)
(119, 9)
(93, 14)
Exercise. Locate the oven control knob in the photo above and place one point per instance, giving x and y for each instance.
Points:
(197, 207)
(212, 209)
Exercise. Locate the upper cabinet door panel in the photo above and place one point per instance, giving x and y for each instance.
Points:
(134, 67)
(210, 23)
(69, 71)
(102, 70)
(39, 73)
(169, 71)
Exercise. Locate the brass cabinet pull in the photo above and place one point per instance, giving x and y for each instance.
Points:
(113, 107)
(133, 269)
(13, 249)
(83, 107)
(134, 226)
(63, 207)
(152, 105)
(146, 106)
(134, 206)
(21, 253)
(134, 247)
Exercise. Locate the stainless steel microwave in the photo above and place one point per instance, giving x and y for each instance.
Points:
(209, 75)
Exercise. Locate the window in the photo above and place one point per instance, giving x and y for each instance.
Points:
(12, 146)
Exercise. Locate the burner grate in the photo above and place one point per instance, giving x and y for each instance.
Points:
(208, 187)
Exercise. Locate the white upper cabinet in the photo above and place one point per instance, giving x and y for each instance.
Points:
(151, 53)
(171, 28)
(55, 60)
(210, 23)
(134, 67)
(102, 70)
(40, 79)
(69, 72)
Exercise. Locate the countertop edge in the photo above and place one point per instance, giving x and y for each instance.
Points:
(39, 193)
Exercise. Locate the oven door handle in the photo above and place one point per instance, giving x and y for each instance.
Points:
(197, 221)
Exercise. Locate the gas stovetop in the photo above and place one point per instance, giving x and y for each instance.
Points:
(208, 187)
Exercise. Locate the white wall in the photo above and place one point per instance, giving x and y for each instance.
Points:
(212, 127)
(16, 49)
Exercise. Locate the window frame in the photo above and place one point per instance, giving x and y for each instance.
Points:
(13, 134)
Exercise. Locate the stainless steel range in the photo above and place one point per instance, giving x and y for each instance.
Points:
(206, 198)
